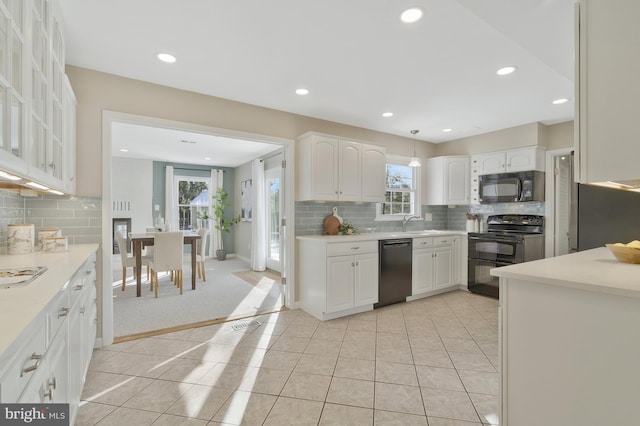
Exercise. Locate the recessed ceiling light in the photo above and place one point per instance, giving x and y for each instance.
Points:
(447, 130)
(506, 70)
(411, 15)
(387, 114)
(124, 150)
(560, 101)
(166, 57)
(207, 158)
(302, 91)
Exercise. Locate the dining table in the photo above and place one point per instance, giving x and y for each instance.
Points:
(145, 239)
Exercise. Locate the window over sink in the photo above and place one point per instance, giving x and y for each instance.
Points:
(402, 195)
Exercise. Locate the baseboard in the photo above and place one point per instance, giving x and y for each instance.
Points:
(98, 343)
(244, 259)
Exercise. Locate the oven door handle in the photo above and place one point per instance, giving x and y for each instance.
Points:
(494, 240)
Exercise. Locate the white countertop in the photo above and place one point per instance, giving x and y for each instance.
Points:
(592, 270)
(21, 304)
(375, 236)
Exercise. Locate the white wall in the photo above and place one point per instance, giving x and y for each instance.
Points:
(132, 191)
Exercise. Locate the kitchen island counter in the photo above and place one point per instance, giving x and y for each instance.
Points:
(592, 270)
(569, 340)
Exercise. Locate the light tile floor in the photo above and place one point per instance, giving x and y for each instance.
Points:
(428, 362)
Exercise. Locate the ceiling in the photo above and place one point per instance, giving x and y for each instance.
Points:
(356, 57)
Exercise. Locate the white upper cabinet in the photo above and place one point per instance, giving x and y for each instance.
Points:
(607, 91)
(33, 87)
(447, 180)
(14, 78)
(492, 162)
(333, 169)
(525, 159)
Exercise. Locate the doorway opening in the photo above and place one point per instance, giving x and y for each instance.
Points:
(559, 207)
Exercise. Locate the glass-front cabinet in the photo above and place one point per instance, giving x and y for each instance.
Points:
(13, 150)
(37, 106)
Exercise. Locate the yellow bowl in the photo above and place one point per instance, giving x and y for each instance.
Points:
(625, 254)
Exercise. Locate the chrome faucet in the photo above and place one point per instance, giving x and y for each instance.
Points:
(407, 218)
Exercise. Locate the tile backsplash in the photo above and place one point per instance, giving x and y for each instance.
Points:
(79, 218)
(309, 216)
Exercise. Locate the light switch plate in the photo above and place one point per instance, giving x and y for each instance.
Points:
(156, 207)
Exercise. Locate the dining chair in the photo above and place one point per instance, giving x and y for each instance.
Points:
(167, 257)
(128, 261)
(200, 252)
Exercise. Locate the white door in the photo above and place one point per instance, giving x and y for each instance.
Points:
(273, 188)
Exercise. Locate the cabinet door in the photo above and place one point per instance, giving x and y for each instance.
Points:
(442, 266)
(324, 179)
(366, 279)
(422, 271)
(493, 162)
(519, 160)
(349, 174)
(374, 168)
(457, 180)
(340, 278)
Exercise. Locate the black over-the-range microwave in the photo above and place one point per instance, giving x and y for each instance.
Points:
(516, 187)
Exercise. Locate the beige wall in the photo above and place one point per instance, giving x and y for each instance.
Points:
(96, 91)
(552, 137)
(242, 231)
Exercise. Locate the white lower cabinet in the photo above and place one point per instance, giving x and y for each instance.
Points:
(338, 278)
(53, 352)
(433, 264)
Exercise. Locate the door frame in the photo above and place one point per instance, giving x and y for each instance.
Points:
(550, 204)
(279, 171)
(105, 294)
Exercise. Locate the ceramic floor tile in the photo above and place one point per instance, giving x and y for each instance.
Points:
(291, 344)
(358, 393)
(187, 370)
(339, 323)
(436, 421)
(334, 414)
(391, 372)
(401, 354)
(390, 418)
(426, 342)
(362, 325)
(448, 405)
(359, 350)
(289, 411)
(307, 386)
(453, 344)
(300, 331)
(211, 352)
(316, 364)
(399, 398)
(487, 407)
(474, 362)
(158, 396)
(90, 413)
(352, 368)
(201, 402)
(171, 420)
(265, 380)
(439, 378)
(129, 416)
(225, 376)
(329, 333)
(245, 408)
(113, 389)
(247, 356)
(279, 360)
(150, 366)
(432, 358)
(480, 382)
(323, 347)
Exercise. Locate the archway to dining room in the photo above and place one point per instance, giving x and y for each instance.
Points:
(234, 288)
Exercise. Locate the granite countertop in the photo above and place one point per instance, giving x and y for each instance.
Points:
(20, 305)
(375, 236)
(591, 270)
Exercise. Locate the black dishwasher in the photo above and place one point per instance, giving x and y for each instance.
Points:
(394, 282)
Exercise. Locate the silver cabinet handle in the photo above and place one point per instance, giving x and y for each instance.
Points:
(29, 369)
(51, 385)
(63, 312)
(78, 287)
(355, 248)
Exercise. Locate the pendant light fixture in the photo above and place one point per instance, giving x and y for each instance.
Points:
(415, 161)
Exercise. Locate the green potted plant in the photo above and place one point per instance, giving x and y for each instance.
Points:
(221, 202)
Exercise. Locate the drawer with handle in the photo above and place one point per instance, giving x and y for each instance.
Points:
(420, 243)
(354, 247)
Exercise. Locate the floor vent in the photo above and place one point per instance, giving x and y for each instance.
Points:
(245, 324)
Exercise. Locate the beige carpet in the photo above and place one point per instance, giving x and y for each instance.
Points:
(223, 296)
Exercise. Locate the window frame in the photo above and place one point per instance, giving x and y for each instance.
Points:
(177, 179)
(417, 200)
